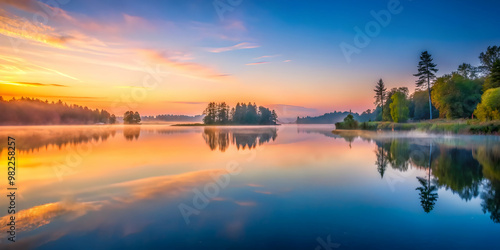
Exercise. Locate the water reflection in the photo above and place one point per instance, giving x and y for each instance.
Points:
(465, 165)
(491, 199)
(35, 138)
(308, 184)
(428, 195)
(131, 132)
(242, 138)
(382, 161)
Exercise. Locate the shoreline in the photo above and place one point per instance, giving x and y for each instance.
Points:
(464, 127)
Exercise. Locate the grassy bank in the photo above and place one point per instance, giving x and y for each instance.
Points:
(434, 126)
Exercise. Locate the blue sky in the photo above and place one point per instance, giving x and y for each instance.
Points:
(276, 53)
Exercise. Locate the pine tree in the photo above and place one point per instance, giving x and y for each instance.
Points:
(380, 92)
(426, 70)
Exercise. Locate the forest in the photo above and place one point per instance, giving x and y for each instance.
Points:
(32, 111)
(470, 92)
(242, 114)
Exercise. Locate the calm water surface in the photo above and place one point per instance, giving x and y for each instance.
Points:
(284, 187)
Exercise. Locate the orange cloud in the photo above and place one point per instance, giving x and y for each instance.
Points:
(32, 84)
(14, 26)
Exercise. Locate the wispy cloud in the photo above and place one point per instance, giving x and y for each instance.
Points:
(32, 84)
(267, 56)
(15, 65)
(256, 63)
(189, 69)
(17, 27)
(238, 46)
(246, 203)
(287, 61)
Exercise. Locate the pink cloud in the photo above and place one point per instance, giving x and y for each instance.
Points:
(256, 63)
(238, 46)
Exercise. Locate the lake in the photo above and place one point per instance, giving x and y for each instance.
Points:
(283, 187)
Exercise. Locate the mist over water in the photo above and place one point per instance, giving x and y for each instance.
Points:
(297, 186)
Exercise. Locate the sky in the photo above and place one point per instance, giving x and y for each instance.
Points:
(173, 57)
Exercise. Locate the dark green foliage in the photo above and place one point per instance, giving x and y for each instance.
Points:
(420, 104)
(455, 96)
(493, 80)
(131, 117)
(368, 126)
(348, 123)
(242, 114)
(485, 129)
(31, 111)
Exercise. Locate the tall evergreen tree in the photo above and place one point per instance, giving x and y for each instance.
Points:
(380, 92)
(426, 70)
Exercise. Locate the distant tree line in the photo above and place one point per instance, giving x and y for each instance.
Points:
(242, 114)
(334, 117)
(174, 118)
(32, 111)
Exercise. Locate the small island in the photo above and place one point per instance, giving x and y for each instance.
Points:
(221, 114)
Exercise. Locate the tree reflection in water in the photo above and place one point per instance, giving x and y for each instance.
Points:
(469, 169)
(131, 132)
(242, 138)
(33, 139)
